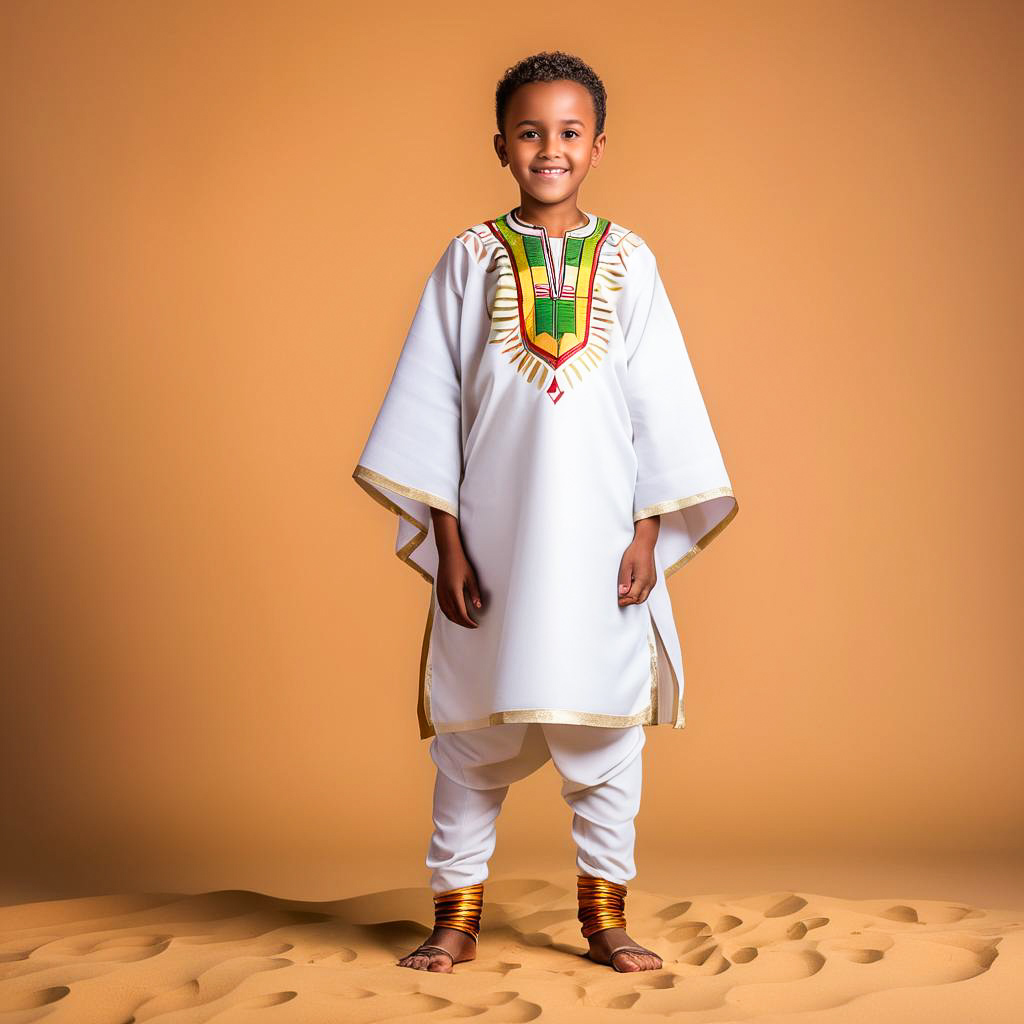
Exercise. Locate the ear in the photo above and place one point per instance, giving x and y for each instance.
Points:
(597, 150)
(499, 148)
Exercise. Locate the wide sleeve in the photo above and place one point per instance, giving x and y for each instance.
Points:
(412, 460)
(680, 472)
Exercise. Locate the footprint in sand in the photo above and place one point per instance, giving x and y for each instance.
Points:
(334, 958)
(688, 931)
(801, 928)
(353, 992)
(984, 950)
(699, 956)
(789, 905)
(864, 956)
(118, 948)
(772, 965)
(32, 1000)
(908, 915)
(657, 982)
(267, 999)
(513, 1007)
(674, 910)
(727, 923)
(497, 998)
(215, 983)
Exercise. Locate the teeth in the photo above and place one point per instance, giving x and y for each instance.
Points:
(552, 170)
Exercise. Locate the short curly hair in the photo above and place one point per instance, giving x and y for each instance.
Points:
(550, 66)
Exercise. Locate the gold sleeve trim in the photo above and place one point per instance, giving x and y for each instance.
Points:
(677, 503)
(363, 473)
(370, 481)
(704, 541)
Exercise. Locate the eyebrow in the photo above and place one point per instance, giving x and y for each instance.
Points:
(568, 120)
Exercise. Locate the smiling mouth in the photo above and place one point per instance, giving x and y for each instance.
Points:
(550, 172)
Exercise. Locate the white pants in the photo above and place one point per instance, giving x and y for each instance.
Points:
(602, 772)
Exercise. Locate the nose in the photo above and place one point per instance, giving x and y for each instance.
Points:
(552, 147)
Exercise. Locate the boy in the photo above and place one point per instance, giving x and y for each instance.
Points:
(546, 448)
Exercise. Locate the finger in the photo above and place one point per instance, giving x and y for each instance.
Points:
(463, 615)
(474, 591)
(630, 596)
(625, 576)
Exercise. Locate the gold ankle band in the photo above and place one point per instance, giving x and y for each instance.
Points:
(601, 904)
(460, 908)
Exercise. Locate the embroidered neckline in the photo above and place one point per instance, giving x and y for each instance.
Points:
(538, 229)
(554, 313)
(556, 275)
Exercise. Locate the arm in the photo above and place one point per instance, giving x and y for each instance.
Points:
(637, 573)
(455, 576)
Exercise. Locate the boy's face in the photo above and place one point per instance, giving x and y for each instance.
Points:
(550, 125)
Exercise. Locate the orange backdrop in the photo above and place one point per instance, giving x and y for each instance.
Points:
(217, 222)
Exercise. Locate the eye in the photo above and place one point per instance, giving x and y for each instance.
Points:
(572, 131)
(529, 131)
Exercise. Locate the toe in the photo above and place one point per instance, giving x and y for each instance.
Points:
(628, 962)
(639, 962)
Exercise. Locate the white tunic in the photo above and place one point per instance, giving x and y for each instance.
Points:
(545, 397)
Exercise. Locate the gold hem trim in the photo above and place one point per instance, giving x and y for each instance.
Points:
(561, 716)
(423, 698)
(678, 503)
(655, 682)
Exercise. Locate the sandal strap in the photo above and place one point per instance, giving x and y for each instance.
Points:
(433, 949)
(630, 949)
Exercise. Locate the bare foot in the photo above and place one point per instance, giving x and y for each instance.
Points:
(461, 945)
(604, 941)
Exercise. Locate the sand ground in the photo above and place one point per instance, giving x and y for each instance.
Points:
(766, 956)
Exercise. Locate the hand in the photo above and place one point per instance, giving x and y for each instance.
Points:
(637, 572)
(455, 576)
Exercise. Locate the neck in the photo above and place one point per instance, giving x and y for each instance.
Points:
(555, 218)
